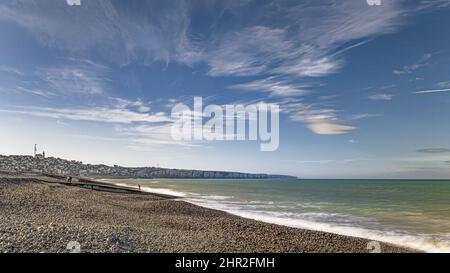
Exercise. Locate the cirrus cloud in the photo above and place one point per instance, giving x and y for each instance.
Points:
(434, 150)
(381, 97)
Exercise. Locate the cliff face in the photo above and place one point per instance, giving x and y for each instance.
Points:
(59, 166)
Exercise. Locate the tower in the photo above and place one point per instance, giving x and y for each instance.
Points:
(35, 150)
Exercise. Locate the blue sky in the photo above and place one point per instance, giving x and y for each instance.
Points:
(363, 90)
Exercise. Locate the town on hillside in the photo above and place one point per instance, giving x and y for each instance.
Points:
(57, 166)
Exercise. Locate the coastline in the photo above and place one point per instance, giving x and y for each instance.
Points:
(44, 215)
(294, 211)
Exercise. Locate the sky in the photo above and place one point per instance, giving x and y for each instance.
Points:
(364, 91)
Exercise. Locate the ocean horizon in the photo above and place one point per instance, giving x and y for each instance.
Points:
(409, 213)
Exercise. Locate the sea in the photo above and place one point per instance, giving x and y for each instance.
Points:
(410, 213)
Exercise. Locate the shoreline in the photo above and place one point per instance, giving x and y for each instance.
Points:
(404, 240)
(53, 214)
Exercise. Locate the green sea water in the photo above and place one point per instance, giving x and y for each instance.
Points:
(413, 213)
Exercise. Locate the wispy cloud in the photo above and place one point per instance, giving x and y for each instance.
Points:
(76, 78)
(361, 116)
(434, 150)
(328, 128)
(146, 137)
(330, 161)
(381, 97)
(443, 85)
(156, 28)
(409, 69)
(308, 42)
(28, 89)
(274, 87)
(138, 104)
(290, 42)
(142, 131)
(94, 114)
(320, 120)
(250, 51)
(310, 67)
(310, 45)
(304, 45)
(96, 138)
(315, 161)
(11, 70)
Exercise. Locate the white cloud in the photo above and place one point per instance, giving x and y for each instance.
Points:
(320, 120)
(444, 84)
(151, 136)
(310, 45)
(409, 69)
(330, 161)
(310, 67)
(274, 87)
(306, 45)
(381, 97)
(250, 51)
(330, 128)
(24, 88)
(96, 138)
(10, 70)
(303, 44)
(325, 161)
(105, 28)
(288, 40)
(142, 131)
(361, 116)
(76, 78)
(94, 114)
(138, 104)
